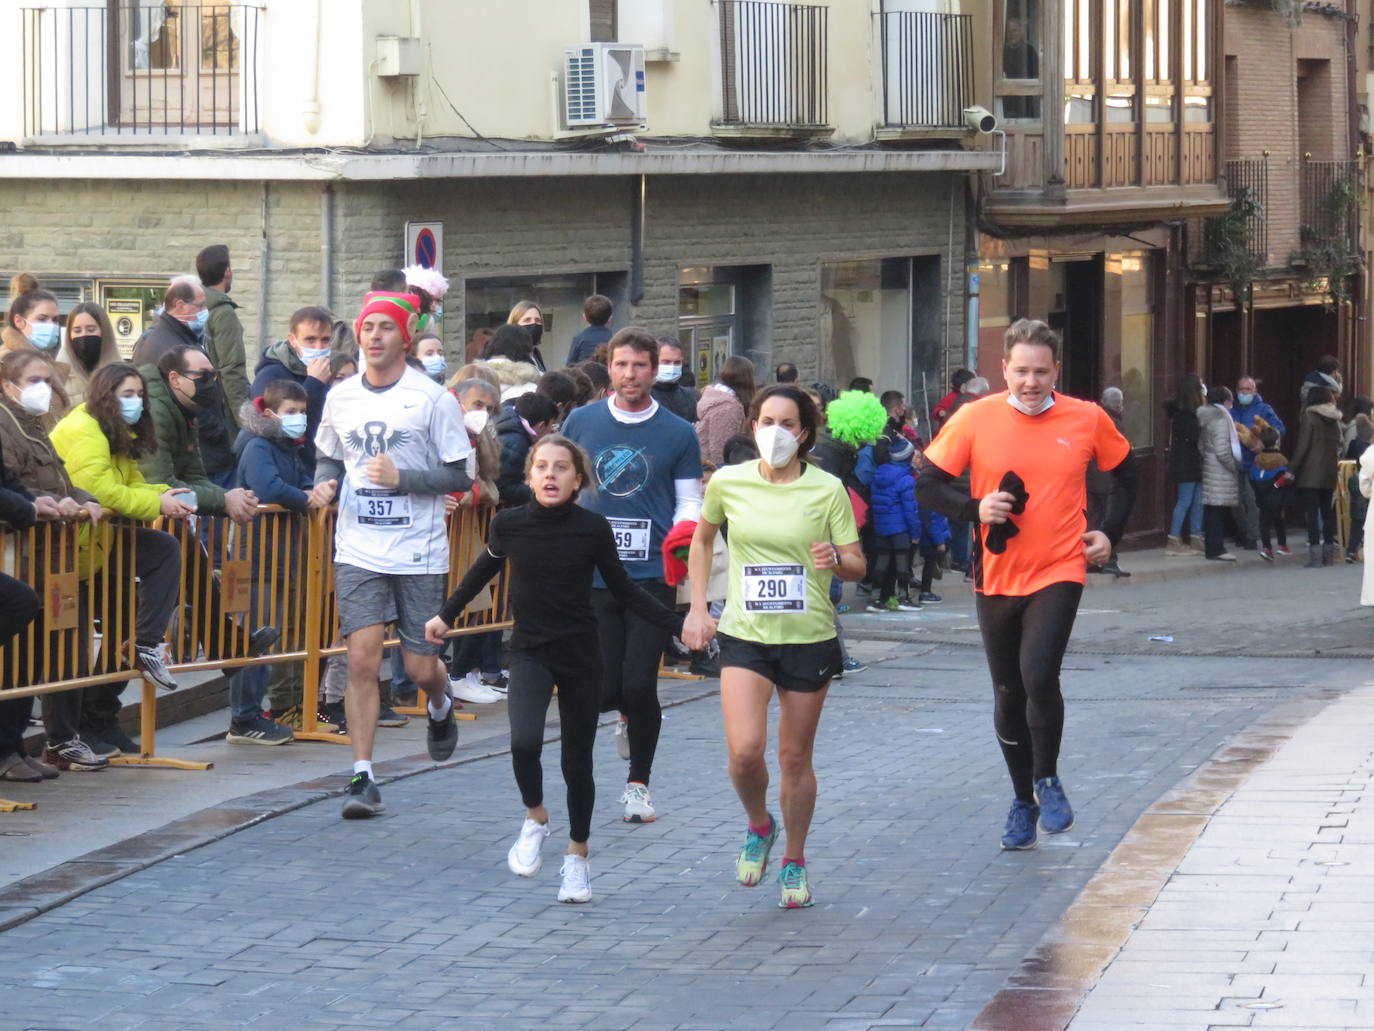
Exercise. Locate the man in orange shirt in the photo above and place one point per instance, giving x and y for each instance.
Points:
(1027, 450)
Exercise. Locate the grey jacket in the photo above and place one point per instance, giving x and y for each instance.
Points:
(1220, 470)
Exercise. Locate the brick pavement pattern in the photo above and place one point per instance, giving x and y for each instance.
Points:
(411, 921)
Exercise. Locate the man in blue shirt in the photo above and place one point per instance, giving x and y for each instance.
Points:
(647, 463)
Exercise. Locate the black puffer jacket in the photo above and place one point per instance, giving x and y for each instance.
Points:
(515, 445)
(1185, 461)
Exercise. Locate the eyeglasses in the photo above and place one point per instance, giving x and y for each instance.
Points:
(204, 376)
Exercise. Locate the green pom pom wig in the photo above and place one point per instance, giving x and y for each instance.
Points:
(856, 417)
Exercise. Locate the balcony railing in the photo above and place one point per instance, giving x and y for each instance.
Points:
(927, 69)
(169, 69)
(773, 63)
(1243, 232)
(1330, 206)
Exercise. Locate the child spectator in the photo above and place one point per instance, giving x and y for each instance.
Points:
(271, 463)
(934, 541)
(1273, 483)
(896, 523)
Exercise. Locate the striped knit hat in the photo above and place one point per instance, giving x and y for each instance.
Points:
(402, 309)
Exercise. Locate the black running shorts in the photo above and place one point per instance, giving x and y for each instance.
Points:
(792, 667)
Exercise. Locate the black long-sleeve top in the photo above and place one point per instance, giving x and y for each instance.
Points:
(553, 552)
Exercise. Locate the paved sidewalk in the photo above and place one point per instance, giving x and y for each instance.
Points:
(411, 921)
(1268, 921)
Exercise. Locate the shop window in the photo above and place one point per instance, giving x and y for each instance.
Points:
(1137, 270)
(725, 310)
(866, 322)
(487, 304)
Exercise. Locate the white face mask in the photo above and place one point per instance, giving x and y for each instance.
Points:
(776, 446)
(475, 420)
(1024, 409)
(669, 373)
(36, 398)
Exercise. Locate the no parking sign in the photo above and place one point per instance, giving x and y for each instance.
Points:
(425, 245)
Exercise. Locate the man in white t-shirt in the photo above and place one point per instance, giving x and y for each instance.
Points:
(393, 441)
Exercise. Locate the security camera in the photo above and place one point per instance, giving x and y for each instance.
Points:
(980, 119)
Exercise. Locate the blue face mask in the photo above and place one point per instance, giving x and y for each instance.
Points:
(131, 409)
(310, 354)
(44, 335)
(1245, 399)
(197, 324)
(293, 425)
(434, 364)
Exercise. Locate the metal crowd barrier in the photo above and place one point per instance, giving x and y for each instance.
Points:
(234, 579)
(1345, 469)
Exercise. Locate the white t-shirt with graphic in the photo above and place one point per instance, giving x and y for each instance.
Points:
(418, 424)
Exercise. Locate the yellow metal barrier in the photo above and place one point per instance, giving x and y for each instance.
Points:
(277, 570)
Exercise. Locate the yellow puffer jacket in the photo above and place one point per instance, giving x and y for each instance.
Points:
(114, 480)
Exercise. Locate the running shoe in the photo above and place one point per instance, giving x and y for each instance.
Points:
(853, 665)
(150, 662)
(101, 747)
(577, 880)
(258, 731)
(74, 755)
(471, 689)
(1267, 554)
(442, 737)
(332, 715)
(622, 738)
(796, 893)
(906, 604)
(753, 857)
(639, 807)
(500, 682)
(363, 799)
(1282, 549)
(294, 719)
(1225, 556)
(524, 857)
(389, 717)
(1019, 833)
(1056, 815)
(930, 598)
(876, 606)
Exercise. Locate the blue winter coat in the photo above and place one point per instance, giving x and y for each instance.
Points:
(1246, 415)
(280, 361)
(934, 530)
(894, 500)
(270, 466)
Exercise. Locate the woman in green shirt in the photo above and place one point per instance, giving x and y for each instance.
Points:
(791, 528)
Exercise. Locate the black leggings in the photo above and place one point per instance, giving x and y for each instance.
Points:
(18, 607)
(630, 652)
(1025, 638)
(532, 679)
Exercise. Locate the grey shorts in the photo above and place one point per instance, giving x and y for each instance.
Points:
(410, 601)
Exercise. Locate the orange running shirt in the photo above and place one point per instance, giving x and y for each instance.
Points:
(1050, 452)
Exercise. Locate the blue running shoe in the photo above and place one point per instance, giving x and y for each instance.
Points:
(1056, 815)
(1019, 833)
(753, 857)
(796, 892)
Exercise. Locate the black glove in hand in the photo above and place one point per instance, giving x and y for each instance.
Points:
(998, 534)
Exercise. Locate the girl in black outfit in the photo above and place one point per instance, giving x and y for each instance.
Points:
(553, 545)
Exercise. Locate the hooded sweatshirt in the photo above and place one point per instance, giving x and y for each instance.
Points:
(280, 361)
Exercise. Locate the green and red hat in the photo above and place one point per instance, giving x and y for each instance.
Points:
(402, 309)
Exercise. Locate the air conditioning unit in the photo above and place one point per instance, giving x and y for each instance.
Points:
(603, 84)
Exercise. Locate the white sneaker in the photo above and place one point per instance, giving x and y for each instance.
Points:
(622, 739)
(639, 807)
(470, 689)
(524, 856)
(577, 880)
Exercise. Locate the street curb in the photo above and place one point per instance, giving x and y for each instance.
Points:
(42, 892)
(1061, 971)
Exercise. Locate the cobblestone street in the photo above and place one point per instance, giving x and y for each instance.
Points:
(413, 921)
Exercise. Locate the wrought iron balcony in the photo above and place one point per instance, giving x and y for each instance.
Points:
(927, 69)
(1330, 206)
(145, 69)
(773, 63)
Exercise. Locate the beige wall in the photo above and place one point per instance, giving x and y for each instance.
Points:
(500, 64)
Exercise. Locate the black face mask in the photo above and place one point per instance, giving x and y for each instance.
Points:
(536, 332)
(86, 349)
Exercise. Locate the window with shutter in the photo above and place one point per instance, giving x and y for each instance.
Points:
(602, 16)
